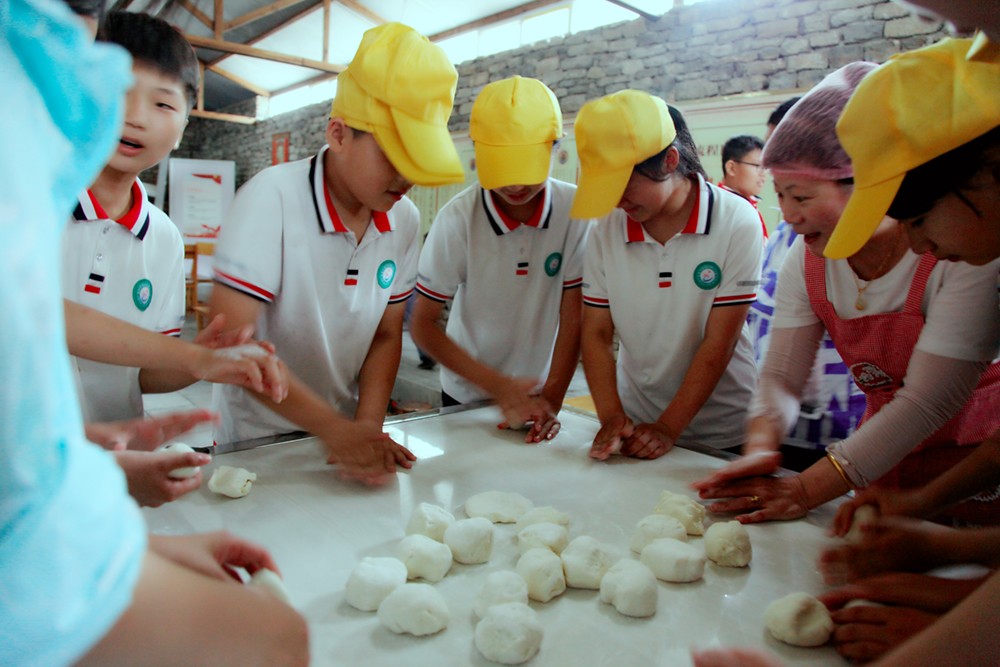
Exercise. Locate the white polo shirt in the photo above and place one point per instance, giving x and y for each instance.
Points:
(324, 293)
(133, 269)
(660, 298)
(506, 278)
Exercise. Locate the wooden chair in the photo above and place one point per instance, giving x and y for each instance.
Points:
(193, 251)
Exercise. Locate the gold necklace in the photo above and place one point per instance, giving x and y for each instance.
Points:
(860, 303)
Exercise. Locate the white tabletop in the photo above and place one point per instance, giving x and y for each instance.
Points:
(319, 527)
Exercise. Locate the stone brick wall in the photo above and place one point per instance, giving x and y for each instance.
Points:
(715, 48)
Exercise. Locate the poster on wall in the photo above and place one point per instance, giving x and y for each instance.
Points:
(201, 192)
(279, 147)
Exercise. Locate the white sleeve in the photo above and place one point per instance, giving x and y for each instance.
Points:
(576, 248)
(409, 255)
(962, 320)
(444, 259)
(742, 265)
(174, 308)
(787, 367)
(595, 289)
(791, 300)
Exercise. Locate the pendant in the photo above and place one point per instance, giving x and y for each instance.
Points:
(861, 304)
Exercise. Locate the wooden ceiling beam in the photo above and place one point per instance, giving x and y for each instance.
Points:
(306, 11)
(240, 81)
(260, 13)
(193, 10)
(219, 19)
(492, 18)
(227, 117)
(303, 84)
(244, 50)
(326, 31)
(364, 11)
(635, 10)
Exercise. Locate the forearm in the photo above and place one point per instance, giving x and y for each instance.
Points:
(599, 369)
(430, 337)
(787, 367)
(566, 354)
(822, 483)
(968, 545)
(977, 472)
(161, 381)
(377, 377)
(700, 380)
(306, 409)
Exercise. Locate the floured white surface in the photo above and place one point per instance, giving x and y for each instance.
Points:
(318, 528)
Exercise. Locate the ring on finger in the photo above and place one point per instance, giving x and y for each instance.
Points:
(756, 501)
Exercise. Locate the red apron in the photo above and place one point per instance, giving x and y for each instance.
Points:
(877, 349)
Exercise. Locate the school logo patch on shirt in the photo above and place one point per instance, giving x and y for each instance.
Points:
(552, 264)
(142, 294)
(707, 275)
(386, 272)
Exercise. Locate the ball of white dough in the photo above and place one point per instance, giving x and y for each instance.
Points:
(585, 561)
(728, 544)
(630, 587)
(542, 570)
(864, 516)
(470, 540)
(498, 506)
(372, 580)
(550, 536)
(544, 514)
(655, 526)
(799, 619)
(424, 558)
(509, 634)
(415, 609)
(673, 560)
(429, 520)
(500, 588)
(688, 511)
(180, 473)
(232, 482)
(272, 583)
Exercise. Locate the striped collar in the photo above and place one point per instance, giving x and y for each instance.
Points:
(503, 223)
(753, 199)
(326, 212)
(699, 221)
(136, 219)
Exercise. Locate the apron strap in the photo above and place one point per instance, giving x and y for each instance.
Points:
(815, 272)
(915, 297)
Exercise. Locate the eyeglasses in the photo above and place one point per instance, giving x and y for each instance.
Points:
(755, 165)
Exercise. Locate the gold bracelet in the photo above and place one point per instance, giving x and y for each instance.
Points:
(840, 470)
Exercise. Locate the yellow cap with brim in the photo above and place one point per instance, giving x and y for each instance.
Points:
(401, 88)
(916, 107)
(614, 133)
(514, 124)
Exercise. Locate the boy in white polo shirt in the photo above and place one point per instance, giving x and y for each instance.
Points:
(506, 251)
(322, 253)
(673, 270)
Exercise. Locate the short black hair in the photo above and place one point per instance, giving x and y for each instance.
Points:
(689, 164)
(781, 110)
(737, 148)
(155, 42)
(92, 9)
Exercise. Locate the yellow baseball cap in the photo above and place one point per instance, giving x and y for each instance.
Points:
(614, 133)
(401, 88)
(916, 107)
(514, 123)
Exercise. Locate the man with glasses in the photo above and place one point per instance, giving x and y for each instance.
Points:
(742, 171)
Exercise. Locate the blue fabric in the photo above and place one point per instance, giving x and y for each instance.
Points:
(71, 539)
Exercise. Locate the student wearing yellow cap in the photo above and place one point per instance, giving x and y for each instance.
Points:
(321, 254)
(507, 253)
(672, 266)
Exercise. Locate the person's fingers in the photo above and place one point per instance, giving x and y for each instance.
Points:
(861, 651)
(763, 514)
(554, 431)
(274, 377)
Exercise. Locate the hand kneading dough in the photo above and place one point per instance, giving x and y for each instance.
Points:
(509, 634)
(372, 580)
(272, 583)
(232, 482)
(688, 511)
(542, 570)
(799, 619)
(543, 535)
(497, 506)
(180, 473)
(416, 609)
(728, 544)
(630, 587)
(655, 526)
(500, 588)
(470, 540)
(585, 561)
(545, 514)
(429, 520)
(673, 560)
(424, 558)
(864, 516)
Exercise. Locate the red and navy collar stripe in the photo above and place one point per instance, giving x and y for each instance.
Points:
(326, 213)
(699, 222)
(503, 223)
(136, 219)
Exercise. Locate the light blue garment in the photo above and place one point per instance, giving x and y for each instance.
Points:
(71, 539)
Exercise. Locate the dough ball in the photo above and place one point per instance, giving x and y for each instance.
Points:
(270, 581)
(498, 506)
(585, 561)
(424, 558)
(630, 587)
(429, 520)
(864, 516)
(655, 526)
(799, 619)
(232, 482)
(372, 580)
(415, 609)
(500, 588)
(470, 540)
(542, 570)
(688, 511)
(728, 544)
(247, 351)
(673, 560)
(545, 514)
(509, 634)
(180, 473)
(550, 536)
